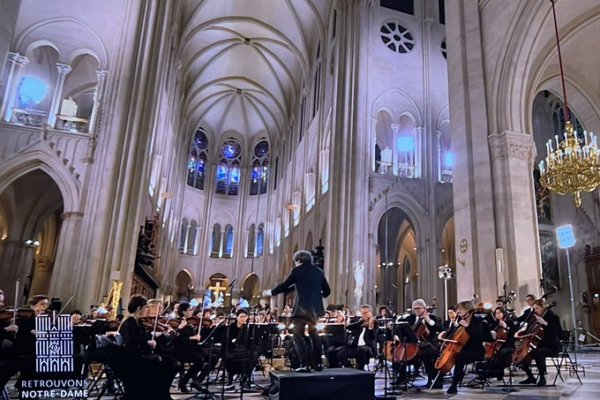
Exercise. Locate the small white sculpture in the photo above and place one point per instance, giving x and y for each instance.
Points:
(359, 277)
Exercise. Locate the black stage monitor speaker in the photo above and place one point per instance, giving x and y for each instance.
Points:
(332, 384)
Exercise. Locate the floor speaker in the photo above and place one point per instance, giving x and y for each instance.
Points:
(333, 384)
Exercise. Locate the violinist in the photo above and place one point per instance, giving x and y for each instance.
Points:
(428, 326)
(157, 371)
(362, 347)
(384, 313)
(473, 350)
(549, 346)
(186, 349)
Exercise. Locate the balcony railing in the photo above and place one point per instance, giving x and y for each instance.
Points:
(29, 117)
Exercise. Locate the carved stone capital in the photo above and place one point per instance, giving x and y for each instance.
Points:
(515, 145)
(63, 68)
(17, 58)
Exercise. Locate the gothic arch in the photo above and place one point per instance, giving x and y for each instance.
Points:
(401, 102)
(39, 30)
(23, 163)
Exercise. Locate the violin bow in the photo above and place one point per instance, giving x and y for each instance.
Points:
(62, 309)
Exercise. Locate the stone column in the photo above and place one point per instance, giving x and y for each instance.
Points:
(96, 117)
(66, 270)
(395, 160)
(473, 194)
(63, 70)
(512, 156)
(15, 71)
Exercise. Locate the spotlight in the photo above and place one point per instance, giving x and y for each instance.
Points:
(487, 306)
(281, 326)
(320, 326)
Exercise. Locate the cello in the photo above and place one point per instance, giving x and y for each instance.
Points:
(530, 338)
(452, 344)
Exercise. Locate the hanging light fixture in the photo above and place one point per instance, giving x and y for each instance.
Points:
(574, 166)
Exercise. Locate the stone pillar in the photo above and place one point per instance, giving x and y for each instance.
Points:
(395, 160)
(96, 117)
(66, 270)
(473, 194)
(15, 71)
(512, 156)
(63, 70)
(17, 262)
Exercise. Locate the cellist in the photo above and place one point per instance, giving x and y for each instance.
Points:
(429, 347)
(549, 346)
(473, 350)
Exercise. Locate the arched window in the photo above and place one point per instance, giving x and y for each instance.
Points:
(444, 153)
(215, 242)
(192, 235)
(260, 237)
(183, 236)
(228, 169)
(317, 82)
(197, 160)
(260, 168)
(228, 253)
(251, 241)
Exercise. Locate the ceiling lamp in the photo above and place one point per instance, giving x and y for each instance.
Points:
(574, 166)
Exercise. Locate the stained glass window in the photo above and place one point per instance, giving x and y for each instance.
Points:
(260, 235)
(228, 253)
(197, 160)
(260, 168)
(228, 169)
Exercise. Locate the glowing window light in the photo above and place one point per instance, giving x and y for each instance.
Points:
(406, 144)
(448, 159)
(32, 90)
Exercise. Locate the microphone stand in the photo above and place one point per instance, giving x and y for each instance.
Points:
(251, 383)
(227, 328)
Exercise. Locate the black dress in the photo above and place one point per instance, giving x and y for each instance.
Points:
(146, 375)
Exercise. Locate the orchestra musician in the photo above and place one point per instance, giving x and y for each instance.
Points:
(503, 321)
(363, 346)
(384, 312)
(148, 375)
(311, 287)
(8, 363)
(186, 349)
(451, 317)
(473, 350)
(549, 346)
(240, 357)
(428, 346)
(529, 299)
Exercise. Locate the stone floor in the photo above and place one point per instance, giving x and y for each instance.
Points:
(570, 388)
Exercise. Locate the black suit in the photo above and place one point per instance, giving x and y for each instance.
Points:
(363, 353)
(428, 350)
(311, 287)
(549, 346)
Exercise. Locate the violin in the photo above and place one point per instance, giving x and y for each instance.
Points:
(452, 344)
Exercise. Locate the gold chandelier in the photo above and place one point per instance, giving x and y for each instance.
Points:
(574, 166)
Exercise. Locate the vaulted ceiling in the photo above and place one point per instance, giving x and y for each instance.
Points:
(245, 61)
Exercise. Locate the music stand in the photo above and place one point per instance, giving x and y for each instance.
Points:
(406, 335)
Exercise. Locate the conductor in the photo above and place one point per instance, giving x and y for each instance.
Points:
(311, 287)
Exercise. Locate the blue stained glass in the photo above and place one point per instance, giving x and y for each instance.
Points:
(229, 241)
(222, 172)
(235, 175)
(259, 242)
(261, 149)
(230, 149)
(200, 139)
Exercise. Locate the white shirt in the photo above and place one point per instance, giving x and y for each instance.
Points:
(361, 338)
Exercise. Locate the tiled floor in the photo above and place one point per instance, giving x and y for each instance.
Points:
(571, 389)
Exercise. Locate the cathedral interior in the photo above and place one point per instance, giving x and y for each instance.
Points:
(188, 148)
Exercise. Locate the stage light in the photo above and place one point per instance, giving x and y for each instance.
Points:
(320, 326)
(29, 242)
(487, 306)
(281, 326)
(596, 295)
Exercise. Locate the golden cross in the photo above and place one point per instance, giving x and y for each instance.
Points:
(217, 289)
